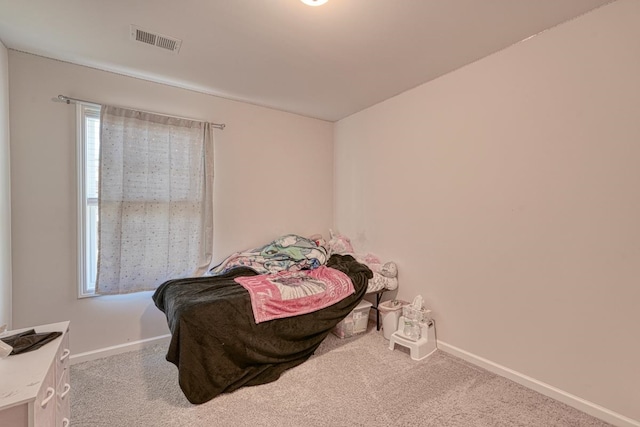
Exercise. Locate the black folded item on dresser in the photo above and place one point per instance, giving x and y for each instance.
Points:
(29, 340)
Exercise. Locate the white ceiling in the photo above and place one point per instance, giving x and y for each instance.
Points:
(325, 62)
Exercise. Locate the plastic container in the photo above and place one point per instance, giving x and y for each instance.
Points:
(390, 311)
(413, 319)
(355, 322)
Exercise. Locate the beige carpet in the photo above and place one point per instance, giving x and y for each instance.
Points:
(351, 382)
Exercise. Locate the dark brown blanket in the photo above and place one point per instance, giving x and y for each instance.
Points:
(218, 347)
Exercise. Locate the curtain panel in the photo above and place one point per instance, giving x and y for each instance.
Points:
(155, 200)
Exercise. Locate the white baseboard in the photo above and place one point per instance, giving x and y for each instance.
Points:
(543, 388)
(118, 349)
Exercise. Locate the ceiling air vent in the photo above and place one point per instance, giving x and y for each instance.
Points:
(155, 39)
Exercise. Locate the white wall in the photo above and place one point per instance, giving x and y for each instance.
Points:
(5, 192)
(272, 176)
(508, 192)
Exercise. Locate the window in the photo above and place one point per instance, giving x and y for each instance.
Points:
(88, 157)
(154, 220)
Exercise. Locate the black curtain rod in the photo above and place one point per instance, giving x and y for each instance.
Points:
(69, 100)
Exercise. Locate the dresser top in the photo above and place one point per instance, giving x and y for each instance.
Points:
(21, 375)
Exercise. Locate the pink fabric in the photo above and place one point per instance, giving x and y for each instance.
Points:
(291, 293)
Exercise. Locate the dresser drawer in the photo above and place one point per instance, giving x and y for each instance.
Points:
(44, 407)
(63, 400)
(62, 356)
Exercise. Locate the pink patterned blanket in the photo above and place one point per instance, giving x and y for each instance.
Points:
(291, 293)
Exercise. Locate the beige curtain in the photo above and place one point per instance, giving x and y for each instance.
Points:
(155, 200)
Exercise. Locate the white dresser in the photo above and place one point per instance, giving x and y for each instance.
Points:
(35, 386)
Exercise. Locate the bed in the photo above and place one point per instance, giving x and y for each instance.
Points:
(293, 252)
(216, 343)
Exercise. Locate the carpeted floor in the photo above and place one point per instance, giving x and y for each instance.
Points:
(351, 382)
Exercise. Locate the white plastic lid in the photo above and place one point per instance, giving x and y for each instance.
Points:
(389, 306)
(363, 304)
